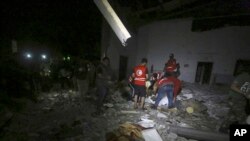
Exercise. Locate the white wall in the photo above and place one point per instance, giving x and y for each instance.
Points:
(221, 46)
(156, 40)
(115, 50)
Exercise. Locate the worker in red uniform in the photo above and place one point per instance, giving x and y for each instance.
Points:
(168, 85)
(170, 65)
(140, 75)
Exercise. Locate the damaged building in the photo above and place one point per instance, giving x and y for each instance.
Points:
(209, 40)
(209, 47)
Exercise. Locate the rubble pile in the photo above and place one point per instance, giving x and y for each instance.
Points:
(67, 116)
(56, 116)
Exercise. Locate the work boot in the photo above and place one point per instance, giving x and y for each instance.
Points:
(170, 107)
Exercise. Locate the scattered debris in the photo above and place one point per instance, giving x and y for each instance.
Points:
(64, 115)
(151, 135)
(109, 105)
(248, 120)
(130, 112)
(190, 110)
(146, 123)
(126, 132)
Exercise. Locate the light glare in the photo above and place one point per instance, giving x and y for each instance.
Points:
(44, 56)
(28, 55)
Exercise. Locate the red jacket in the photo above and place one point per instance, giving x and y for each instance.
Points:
(170, 66)
(140, 75)
(170, 80)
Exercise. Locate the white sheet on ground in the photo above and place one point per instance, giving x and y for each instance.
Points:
(151, 135)
(164, 101)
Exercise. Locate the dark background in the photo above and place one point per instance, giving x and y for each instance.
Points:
(71, 27)
(74, 26)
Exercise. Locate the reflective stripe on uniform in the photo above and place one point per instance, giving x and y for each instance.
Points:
(140, 79)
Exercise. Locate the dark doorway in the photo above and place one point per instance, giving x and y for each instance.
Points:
(203, 72)
(241, 65)
(123, 67)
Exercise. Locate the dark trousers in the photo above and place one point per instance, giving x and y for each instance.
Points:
(102, 92)
(162, 91)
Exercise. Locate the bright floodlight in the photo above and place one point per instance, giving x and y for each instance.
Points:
(44, 56)
(113, 20)
(28, 55)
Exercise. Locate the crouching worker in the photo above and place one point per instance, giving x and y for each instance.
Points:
(168, 85)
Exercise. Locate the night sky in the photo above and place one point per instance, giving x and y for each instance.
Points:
(74, 26)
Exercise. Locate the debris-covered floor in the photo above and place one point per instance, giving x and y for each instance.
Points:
(66, 116)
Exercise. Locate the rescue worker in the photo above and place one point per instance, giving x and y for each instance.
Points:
(81, 74)
(104, 79)
(169, 85)
(91, 74)
(65, 76)
(240, 91)
(239, 101)
(171, 66)
(140, 74)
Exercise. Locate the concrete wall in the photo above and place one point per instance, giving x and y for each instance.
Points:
(221, 46)
(155, 41)
(115, 50)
